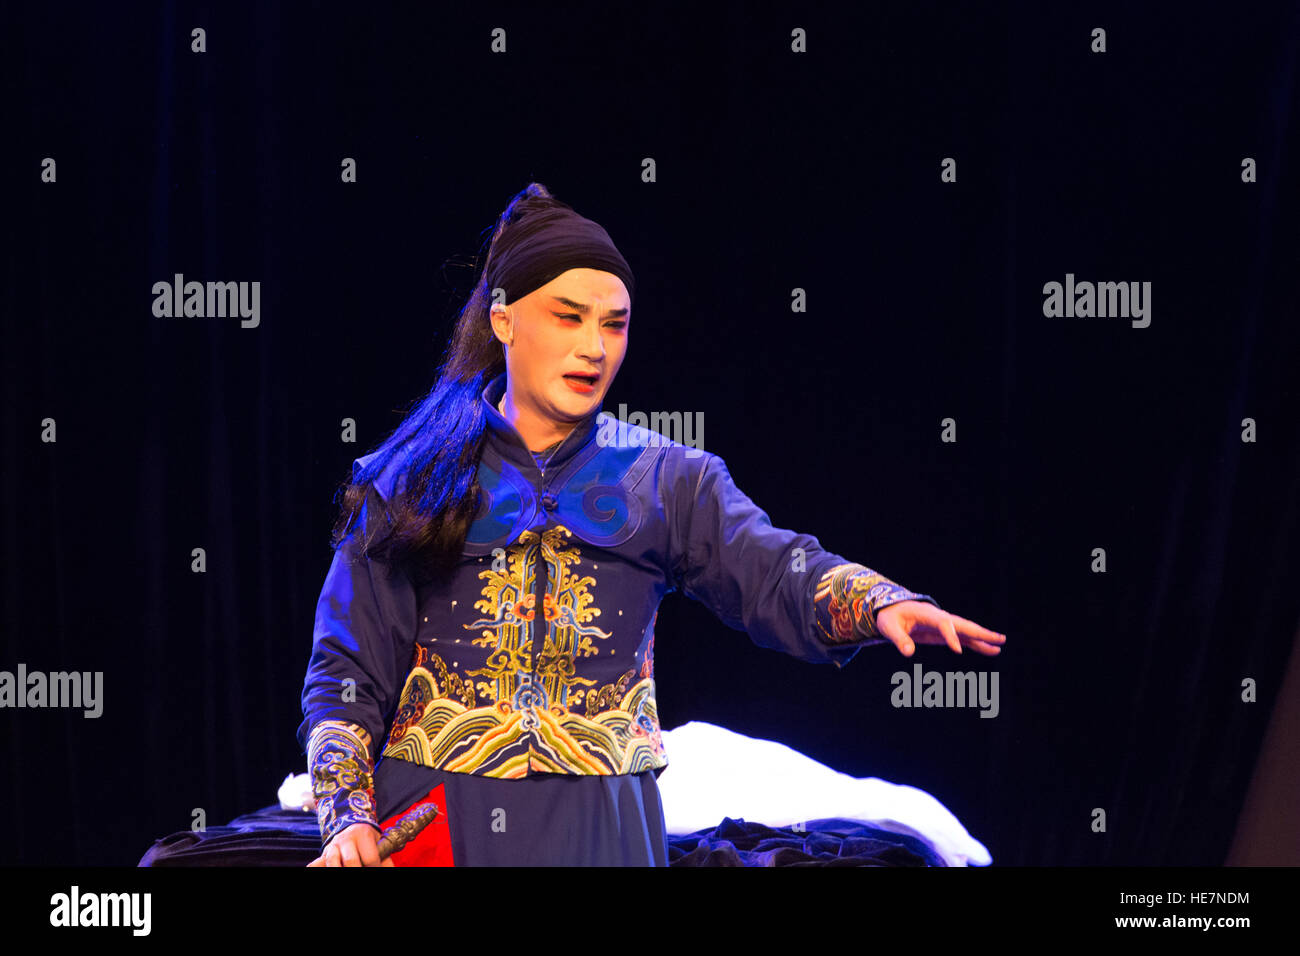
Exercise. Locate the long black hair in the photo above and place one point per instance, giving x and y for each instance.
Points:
(441, 438)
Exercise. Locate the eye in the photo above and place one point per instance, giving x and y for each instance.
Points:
(617, 324)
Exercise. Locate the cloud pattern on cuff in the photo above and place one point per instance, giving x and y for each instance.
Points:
(338, 755)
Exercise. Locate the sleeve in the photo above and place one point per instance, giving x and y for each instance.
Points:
(781, 587)
(361, 649)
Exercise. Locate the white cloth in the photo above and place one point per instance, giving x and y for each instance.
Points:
(295, 793)
(713, 773)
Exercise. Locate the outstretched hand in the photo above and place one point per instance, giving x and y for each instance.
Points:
(909, 623)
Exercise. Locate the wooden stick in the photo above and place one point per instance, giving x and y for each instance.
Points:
(404, 830)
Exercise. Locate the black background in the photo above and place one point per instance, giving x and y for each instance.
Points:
(775, 170)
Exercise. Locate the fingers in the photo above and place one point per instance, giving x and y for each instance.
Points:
(950, 634)
(931, 626)
(890, 630)
(349, 853)
(369, 849)
(974, 636)
(354, 846)
(329, 856)
(934, 626)
(975, 631)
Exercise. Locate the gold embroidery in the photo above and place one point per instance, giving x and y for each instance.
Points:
(563, 630)
(607, 694)
(526, 718)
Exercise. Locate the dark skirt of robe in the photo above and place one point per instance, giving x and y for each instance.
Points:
(543, 819)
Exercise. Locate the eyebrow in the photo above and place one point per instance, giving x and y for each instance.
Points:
(584, 309)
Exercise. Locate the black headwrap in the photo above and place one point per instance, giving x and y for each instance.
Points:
(547, 242)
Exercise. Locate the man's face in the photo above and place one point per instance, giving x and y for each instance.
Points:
(575, 324)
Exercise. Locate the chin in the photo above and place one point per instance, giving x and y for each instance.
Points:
(576, 405)
(575, 400)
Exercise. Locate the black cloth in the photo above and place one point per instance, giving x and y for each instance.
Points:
(830, 842)
(275, 837)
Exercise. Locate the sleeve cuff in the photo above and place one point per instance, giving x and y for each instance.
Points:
(848, 598)
(342, 776)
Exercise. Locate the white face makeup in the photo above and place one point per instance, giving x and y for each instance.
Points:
(567, 341)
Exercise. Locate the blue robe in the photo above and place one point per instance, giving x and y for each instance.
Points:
(533, 661)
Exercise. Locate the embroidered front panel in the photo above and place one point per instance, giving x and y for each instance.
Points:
(519, 713)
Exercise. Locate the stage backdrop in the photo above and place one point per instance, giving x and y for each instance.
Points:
(999, 302)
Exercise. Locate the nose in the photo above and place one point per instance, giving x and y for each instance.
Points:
(593, 343)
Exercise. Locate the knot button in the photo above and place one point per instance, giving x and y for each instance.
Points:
(548, 501)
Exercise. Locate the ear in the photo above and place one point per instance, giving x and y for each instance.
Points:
(503, 323)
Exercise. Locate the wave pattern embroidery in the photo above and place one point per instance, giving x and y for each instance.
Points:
(515, 715)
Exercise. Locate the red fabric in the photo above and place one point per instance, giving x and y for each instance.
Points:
(432, 845)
